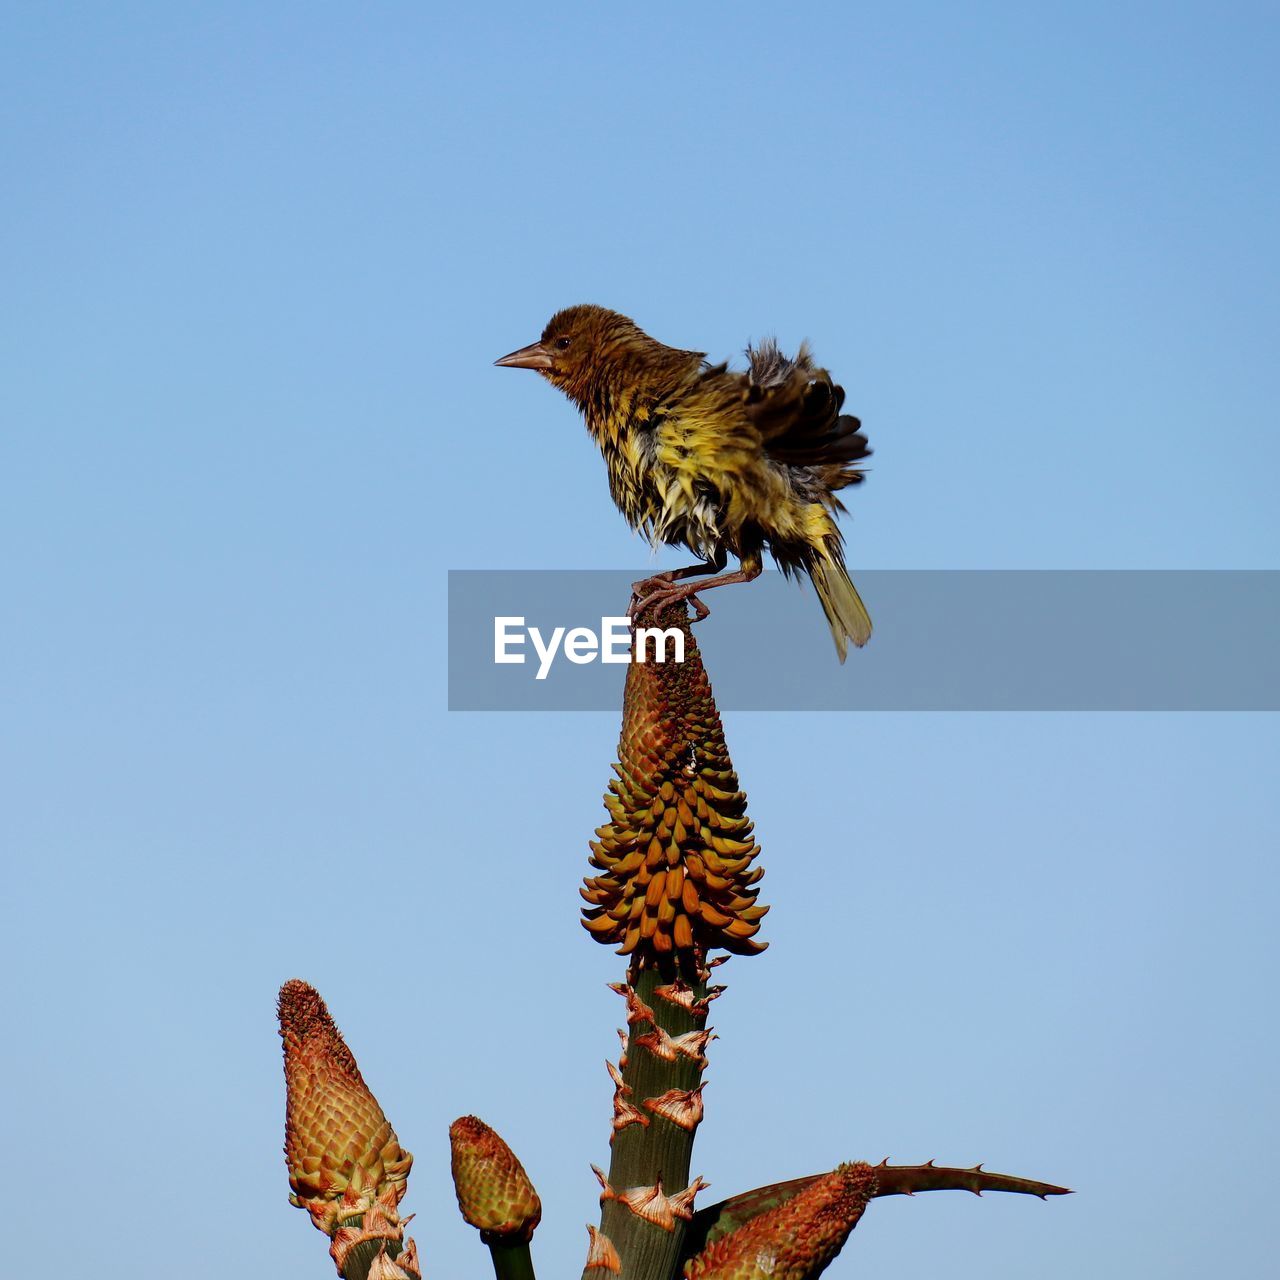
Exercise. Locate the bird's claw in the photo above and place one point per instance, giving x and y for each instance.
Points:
(666, 594)
(646, 591)
(642, 603)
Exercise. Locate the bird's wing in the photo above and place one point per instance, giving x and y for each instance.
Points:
(796, 408)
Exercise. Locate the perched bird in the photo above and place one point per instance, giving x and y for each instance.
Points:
(714, 460)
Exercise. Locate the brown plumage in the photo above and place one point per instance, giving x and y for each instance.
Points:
(714, 460)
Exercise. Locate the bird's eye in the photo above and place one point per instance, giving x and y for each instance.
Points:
(562, 344)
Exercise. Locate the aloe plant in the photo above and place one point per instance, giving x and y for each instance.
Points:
(674, 887)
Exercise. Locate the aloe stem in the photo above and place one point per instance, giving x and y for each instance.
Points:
(511, 1261)
(361, 1257)
(646, 1155)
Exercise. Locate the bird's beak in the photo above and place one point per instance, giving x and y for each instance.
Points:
(534, 356)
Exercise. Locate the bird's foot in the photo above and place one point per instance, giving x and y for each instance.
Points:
(700, 610)
(662, 597)
(651, 586)
(643, 602)
(646, 591)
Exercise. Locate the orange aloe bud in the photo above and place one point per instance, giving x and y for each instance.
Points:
(344, 1159)
(494, 1192)
(797, 1239)
(675, 857)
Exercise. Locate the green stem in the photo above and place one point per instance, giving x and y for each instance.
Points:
(360, 1259)
(660, 1151)
(511, 1261)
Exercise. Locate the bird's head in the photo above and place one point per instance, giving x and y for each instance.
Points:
(577, 344)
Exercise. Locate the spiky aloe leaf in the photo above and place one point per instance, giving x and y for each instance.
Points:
(718, 1220)
(795, 1238)
(907, 1179)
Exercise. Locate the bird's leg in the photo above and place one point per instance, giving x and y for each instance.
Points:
(748, 571)
(645, 592)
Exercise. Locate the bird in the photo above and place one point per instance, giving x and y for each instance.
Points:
(715, 460)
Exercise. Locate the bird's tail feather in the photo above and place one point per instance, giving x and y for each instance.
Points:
(846, 613)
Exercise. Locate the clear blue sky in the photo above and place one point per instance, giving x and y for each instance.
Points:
(256, 262)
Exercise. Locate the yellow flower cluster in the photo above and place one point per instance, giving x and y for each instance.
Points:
(675, 857)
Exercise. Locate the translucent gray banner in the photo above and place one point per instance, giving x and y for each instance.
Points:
(944, 640)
